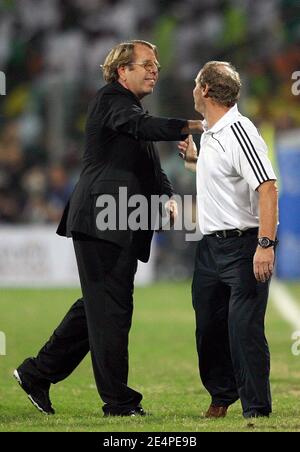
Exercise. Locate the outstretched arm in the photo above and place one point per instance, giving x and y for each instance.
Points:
(122, 115)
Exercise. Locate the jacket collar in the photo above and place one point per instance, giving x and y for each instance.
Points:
(118, 87)
(229, 117)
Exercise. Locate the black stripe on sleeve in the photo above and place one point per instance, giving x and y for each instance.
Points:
(250, 152)
(253, 166)
(254, 150)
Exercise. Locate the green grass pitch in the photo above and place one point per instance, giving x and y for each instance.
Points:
(163, 366)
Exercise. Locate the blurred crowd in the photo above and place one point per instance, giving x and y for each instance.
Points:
(50, 52)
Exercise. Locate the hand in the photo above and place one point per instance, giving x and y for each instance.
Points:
(172, 208)
(263, 263)
(193, 126)
(188, 150)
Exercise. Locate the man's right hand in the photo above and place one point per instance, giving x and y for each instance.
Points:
(188, 152)
(193, 126)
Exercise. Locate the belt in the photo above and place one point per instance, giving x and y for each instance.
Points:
(233, 233)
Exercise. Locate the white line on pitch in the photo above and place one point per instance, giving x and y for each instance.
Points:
(285, 303)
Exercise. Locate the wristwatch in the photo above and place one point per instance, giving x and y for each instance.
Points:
(265, 242)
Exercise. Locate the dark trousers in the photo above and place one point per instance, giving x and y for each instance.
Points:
(100, 323)
(230, 307)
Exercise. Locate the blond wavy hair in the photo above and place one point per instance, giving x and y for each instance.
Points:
(121, 55)
(223, 81)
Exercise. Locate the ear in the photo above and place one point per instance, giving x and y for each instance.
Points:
(122, 73)
(205, 91)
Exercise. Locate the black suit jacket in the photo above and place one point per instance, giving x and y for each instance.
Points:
(119, 152)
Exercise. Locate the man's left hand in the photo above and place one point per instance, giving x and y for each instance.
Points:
(172, 208)
(263, 263)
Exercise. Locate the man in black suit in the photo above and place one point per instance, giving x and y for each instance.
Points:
(119, 153)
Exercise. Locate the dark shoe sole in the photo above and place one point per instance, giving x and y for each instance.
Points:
(128, 414)
(256, 416)
(34, 403)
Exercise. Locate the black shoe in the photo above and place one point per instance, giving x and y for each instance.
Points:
(38, 394)
(137, 411)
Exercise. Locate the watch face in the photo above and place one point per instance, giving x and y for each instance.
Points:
(264, 242)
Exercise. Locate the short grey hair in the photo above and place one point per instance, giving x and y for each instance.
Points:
(223, 81)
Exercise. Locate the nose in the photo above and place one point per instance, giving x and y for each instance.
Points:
(154, 70)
